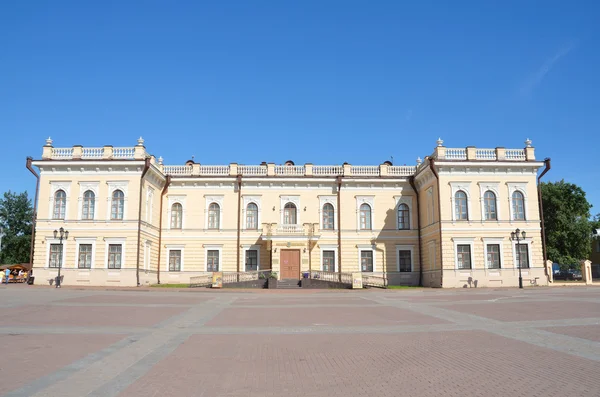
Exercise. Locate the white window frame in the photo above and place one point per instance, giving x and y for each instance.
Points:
(173, 199)
(464, 241)
(370, 200)
(251, 247)
(498, 241)
(115, 240)
(255, 199)
(176, 247)
(367, 247)
(328, 200)
(408, 200)
(54, 187)
(84, 187)
(213, 247)
(52, 240)
(410, 248)
(209, 199)
(329, 247)
(527, 242)
(85, 240)
(521, 187)
(283, 200)
(455, 187)
(112, 186)
(149, 204)
(493, 187)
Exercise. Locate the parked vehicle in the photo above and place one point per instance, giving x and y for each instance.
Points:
(571, 274)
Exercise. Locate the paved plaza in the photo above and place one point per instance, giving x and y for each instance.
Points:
(417, 342)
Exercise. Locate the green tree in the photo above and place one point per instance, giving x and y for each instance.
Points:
(16, 214)
(567, 222)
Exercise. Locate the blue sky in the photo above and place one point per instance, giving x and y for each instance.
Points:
(312, 81)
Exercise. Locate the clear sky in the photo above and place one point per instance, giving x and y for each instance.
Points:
(313, 81)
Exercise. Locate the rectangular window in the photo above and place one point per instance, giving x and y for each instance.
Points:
(175, 260)
(493, 256)
(251, 260)
(523, 256)
(55, 255)
(212, 258)
(464, 256)
(366, 261)
(85, 256)
(404, 261)
(114, 256)
(329, 261)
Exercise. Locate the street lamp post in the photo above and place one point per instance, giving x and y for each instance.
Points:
(517, 236)
(60, 234)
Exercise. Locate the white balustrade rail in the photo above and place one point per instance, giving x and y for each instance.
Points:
(92, 153)
(290, 229)
(485, 154)
(252, 170)
(62, 153)
(402, 170)
(209, 170)
(456, 154)
(328, 170)
(123, 153)
(178, 170)
(515, 154)
(364, 170)
(289, 170)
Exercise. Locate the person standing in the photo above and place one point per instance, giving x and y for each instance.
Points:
(7, 275)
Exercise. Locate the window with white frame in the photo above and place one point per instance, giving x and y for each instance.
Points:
(115, 256)
(60, 204)
(117, 205)
(176, 216)
(404, 260)
(251, 260)
(212, 260)
(328, 260)
(522, 255)
(88, 205)
(518, 206)
(55, 255)
(289, 214)
(214, 216)
(366, 260)
(463, 256)
(365, 217)
(493, 256)
(489, 206)
(85, 256)
(328, 216)
(460, 205)
(174, 260)
(403, 217)
(252, 216)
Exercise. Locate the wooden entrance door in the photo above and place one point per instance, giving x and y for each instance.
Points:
(290, 264)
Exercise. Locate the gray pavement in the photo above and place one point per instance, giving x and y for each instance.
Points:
(417, 342)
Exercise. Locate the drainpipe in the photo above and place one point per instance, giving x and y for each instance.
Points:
(412, 184)
(539, 191)
(160, 218)
(339, 224)
(437, 176)
(139, 238)
(35, 206)
(239, 220)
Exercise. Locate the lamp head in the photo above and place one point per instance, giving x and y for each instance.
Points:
(55, 233)
(512, 235)
(523, 234)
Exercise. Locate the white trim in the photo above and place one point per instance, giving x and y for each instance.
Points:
(147, 254)
(112, 186)
(430, 207)
(54, 187)
(527, 242)
(94, 187)
(329, 247)
(367, 247)
(52, 240)
(251, 247)
(328, 200)
(283, 200)
(85, 240)
(175, 247)
(370, 201)
(408, 200)
(410, 248)
(149, 204)
(213, 247)
(463, 241)
(521, 187)
(115, 240)
(493, 187)
(465, 187)
(499, 241)
(176, 199)
(248, 199)
(208, 200)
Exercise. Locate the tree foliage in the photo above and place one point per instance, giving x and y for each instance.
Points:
(16, 213)
(567, 223)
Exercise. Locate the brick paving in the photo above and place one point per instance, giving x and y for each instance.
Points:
(421, 342)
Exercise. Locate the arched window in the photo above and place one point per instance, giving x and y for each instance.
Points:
(89, 203)
(518, 205)
(289, 214)
(489, 206)
(460, 201)
(365, 217)
(176, 216)
(252, 216)
(403, 217)
(117, 205)
(60, 204)
(214, 216)
(328, 217)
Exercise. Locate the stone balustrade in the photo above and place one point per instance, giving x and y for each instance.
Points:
(471, 153)
(79, 152)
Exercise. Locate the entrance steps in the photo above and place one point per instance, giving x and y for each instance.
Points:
(288, 284)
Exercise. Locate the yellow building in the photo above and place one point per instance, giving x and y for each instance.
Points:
(445, 222)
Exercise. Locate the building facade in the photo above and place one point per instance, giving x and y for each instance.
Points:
(132, 220)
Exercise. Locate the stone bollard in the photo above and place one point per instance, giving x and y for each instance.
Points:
(549, 271)
(586, 271)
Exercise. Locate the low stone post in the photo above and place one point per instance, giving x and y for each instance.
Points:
(549, 271)
(586, 271)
